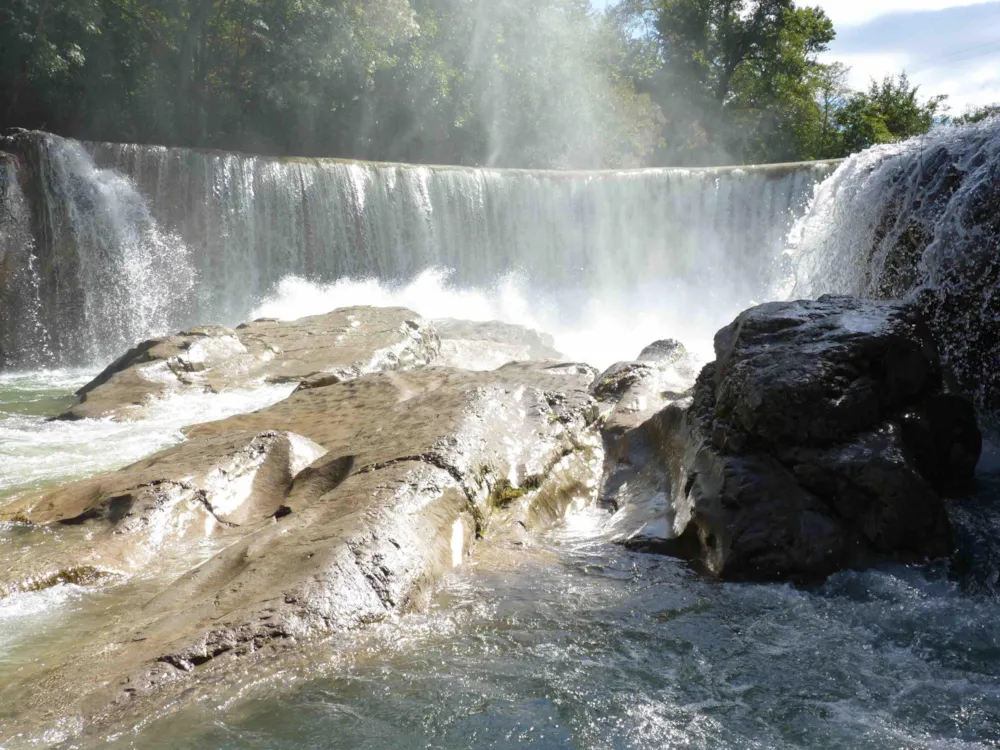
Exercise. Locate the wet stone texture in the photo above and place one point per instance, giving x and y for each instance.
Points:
(630, 394)
(330, 348)
(491, 344)
(821, 438)
(202, 488)
(340, 505)
(937, 242)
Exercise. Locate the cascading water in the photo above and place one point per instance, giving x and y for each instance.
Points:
(103, 275)
(918, 219)
(157, 239)
(20, 313)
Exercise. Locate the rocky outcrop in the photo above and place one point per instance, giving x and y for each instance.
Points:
(323, 349)
(488, 345)
(635, 391)
(822, 437)
(507, 425)
(415, 466)
(938, 241)
(630, 394)
(210, 488)
(919, 221)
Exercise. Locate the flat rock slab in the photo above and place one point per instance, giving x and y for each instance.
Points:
(340, 345)
(488, 345)
(415, 466)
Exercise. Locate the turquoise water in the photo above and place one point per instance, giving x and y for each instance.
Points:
(580, 644)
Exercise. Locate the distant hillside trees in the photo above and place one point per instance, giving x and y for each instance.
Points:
(518, 83)
(742, 80)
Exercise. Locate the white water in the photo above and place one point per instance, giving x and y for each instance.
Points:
(916, 220)
(598, 330)
(91, 268)
(842, 243)
(35, 452)
(153, 239)
(587, 645)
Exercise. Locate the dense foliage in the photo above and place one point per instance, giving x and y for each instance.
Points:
(742, 80)
(497, 82)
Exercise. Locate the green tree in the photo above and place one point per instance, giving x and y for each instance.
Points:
(889, 111)
(41, 53)
(504, 82)
(977, 114)
(735, 78)
(832, 93)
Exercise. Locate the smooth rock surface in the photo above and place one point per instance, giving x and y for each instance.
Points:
(417, 465)
(488, 345)
(340, 345)
(216, 486)
(630, 394)
(806, 446)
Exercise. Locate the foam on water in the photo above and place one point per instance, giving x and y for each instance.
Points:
(596, 328)
(35, 451)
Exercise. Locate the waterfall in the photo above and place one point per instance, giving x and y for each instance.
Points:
(20, 308)
(93, 272)
(138, 240)
(917, 219)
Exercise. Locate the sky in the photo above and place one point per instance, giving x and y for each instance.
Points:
(946, 46)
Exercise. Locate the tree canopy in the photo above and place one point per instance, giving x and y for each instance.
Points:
(527, 83)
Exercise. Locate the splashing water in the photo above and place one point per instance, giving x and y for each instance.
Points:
(925, 191)
(596, 329)
(571, 641)
(103, 273)
(36, 452)
(577, 643)
(916, 220)
(154, 239)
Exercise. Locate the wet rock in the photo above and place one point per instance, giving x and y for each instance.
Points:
(488, 345)
(341, 345)
(219, 486)
(807, 446)
(663, 351)
(360, 551)
(507, 424)
(418, 464)
(631, 393)
(929, 231)
(639, 465)
(634, 391)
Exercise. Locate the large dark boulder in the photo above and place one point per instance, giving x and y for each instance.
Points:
(822, 437)
(920, 222)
